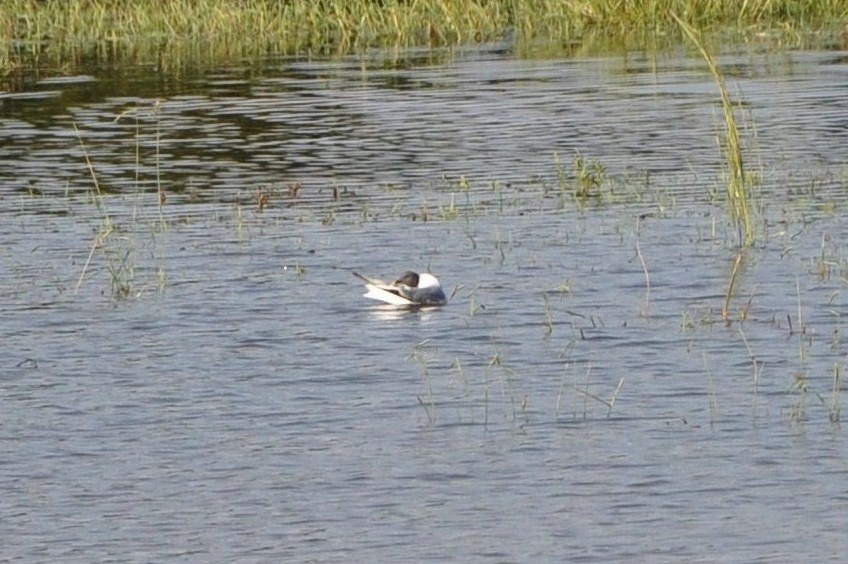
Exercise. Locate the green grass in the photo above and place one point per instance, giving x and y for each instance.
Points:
(113, 242)
(737, 187)
(586, 183)
(174, 34)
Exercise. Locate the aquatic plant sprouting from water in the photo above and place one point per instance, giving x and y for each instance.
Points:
(113, 243)
(153, 112)
(589, 177)
(738, 189)
(725, 310)
(421, 356)
(835, 410)
(106, 228)
(451, 211)
(549, 317)
(121, 271)
(583, 390)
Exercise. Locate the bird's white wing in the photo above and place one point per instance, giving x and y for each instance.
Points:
(381, 294)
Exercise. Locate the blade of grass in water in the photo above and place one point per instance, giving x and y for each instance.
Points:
(738, 192)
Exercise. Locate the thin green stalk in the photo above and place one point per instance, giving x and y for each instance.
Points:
(725, 310)
(106, 226)
(738, 191)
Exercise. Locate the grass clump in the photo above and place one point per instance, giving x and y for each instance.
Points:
(113, 242)
(586, 180)
(738, 189)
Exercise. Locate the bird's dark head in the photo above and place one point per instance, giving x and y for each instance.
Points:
(408, 278)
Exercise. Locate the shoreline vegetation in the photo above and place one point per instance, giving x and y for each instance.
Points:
(65, 34)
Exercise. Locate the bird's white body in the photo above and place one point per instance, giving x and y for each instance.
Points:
(410, 290)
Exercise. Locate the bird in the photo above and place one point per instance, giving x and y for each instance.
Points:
(411, 290)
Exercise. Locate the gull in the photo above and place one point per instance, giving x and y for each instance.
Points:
(410, 290)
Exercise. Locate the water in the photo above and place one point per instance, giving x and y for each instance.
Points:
(205, 383)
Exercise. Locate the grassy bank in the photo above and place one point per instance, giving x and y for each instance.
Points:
(62, 32)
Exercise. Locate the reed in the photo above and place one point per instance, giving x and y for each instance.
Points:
(590, 176)
(713, 401)
(587, 395)
(115, 242)
(647, 309)
(798, 409)
(449, 212)
(182, 32)
(738, 191)
(584, 184)
(423, 358)
(800, 384)
(106, 227)
(725, 309)
(147, 113)
(835, 409)
(549, 317)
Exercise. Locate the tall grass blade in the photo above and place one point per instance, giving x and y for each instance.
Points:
(738, 192)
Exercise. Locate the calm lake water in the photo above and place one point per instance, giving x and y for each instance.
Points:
(202, 381)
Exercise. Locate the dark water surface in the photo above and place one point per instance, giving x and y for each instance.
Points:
(202, 381)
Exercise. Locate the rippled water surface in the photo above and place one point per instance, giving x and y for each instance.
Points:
(190, 371)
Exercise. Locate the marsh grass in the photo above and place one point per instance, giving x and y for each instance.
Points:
(449, 212)
(509, 392)
(121, 267)
(737, 186)
(590, 176)
(587, 395)
(423, 357)
(713, 401)
(583, 389)
(586, 181)
(549, 317)
(116, 243)
(106, 227)
(835, 409)
(496, 372)
(475, 306)
(181, 33)
(757, 365)
(152, 112)
(731, 284)
(800, 383)
(647, 309)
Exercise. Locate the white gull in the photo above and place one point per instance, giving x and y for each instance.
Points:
(410, 290)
